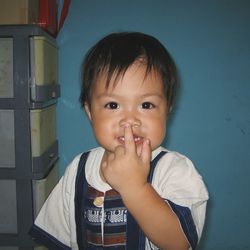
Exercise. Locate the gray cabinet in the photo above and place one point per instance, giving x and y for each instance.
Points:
(28, 144)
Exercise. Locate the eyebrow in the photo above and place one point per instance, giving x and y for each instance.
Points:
(143, 96)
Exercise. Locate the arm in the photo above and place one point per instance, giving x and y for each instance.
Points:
(155, 218)
(53, 224)
(126, 171)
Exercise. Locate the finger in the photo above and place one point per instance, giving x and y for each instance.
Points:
(130, 146)
(146, 151)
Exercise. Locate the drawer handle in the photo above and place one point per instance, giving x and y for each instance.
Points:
(52, 155)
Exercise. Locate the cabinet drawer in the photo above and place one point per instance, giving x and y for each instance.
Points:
(7, 139)
(6, 68)
(11, 196)
(42, 133)
(42, 65)
(43, 69)
(43, 129)
(44, 61)
(42, 188)
(8, 208)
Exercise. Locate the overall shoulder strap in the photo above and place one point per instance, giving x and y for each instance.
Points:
(135, 236)
(80, 192)
(153, 165)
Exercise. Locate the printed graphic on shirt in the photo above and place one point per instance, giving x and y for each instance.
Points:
(115, 216)
(111, 217)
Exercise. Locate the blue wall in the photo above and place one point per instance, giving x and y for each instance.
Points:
(210, 41)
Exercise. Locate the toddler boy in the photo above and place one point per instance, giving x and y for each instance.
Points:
(129, 193)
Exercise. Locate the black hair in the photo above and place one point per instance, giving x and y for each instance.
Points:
(114, 54)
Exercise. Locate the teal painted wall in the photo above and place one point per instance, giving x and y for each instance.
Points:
(210, 41)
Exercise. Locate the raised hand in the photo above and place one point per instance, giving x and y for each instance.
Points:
(126, 169)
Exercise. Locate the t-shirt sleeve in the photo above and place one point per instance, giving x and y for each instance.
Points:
(52, 225)
(179, 183)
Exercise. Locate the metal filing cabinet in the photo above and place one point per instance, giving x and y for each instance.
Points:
(28, 145)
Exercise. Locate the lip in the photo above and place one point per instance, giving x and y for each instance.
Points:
(137, 139)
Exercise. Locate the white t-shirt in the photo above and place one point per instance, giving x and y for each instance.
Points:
(175, 179)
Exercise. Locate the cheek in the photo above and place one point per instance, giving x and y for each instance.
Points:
(157, 128)
(98, 126)
(102, 126)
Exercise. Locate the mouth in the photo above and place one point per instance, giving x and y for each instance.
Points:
(137, 139)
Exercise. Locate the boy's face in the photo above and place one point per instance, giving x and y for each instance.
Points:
(134, 99)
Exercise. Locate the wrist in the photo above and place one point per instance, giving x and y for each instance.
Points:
(135, 193)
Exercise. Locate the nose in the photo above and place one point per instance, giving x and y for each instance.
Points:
(130, 118)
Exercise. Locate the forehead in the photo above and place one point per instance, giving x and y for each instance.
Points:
(137, 77)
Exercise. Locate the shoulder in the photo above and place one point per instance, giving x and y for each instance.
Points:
(92, 170)
(176, 175)
(91, 154)
(71, 170)
(175, 163)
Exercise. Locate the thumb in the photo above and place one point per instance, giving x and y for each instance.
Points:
(146, 151)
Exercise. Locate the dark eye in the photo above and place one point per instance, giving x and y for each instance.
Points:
(112, 105)
(147, 105)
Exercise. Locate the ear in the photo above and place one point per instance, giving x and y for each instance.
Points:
(87, 110)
